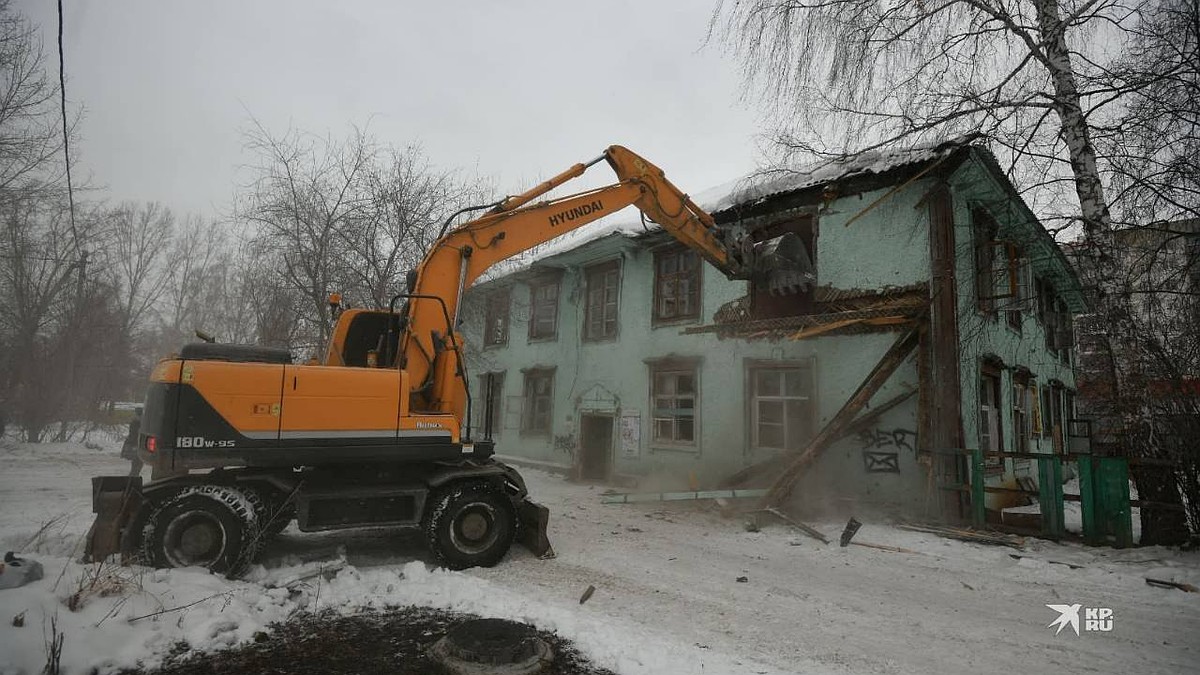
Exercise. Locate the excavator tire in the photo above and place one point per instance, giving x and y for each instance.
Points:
(273, 515)
(211, 526)
(470, 524)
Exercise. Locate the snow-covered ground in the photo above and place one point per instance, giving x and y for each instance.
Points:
(667, 598)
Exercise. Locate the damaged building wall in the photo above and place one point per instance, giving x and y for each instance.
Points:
(1016, 348)
(613, 377)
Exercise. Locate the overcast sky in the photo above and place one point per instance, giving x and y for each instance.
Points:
(515, 90)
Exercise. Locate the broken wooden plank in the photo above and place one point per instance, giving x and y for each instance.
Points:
(860, 423)
(996, 539)
(1179, 585)
(887, 365)
(634, 497)
(1074, 566)
(883, 547)
(807, 529)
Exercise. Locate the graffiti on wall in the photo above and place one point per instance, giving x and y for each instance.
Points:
(882, 447)
(886, 439)
(881, 462)
(565, 443)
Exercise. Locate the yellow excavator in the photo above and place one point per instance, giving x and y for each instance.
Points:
(242, 441)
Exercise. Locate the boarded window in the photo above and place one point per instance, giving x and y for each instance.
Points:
(538, 401)
(781, 407)
(543, 315)
(673, 393)
(603, 289)
(676, 285)
(495, 322)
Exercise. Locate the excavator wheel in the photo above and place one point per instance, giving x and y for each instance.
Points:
(211, 526)
(273, 515)
(470, 524)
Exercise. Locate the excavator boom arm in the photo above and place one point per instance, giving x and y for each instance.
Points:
(516, 225)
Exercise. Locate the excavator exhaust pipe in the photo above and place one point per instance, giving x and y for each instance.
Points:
(782, 265)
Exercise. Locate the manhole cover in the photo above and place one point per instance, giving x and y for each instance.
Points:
(492, 646)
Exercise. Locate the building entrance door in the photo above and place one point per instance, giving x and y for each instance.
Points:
(595, 446)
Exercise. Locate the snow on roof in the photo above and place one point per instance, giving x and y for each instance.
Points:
(744, 191)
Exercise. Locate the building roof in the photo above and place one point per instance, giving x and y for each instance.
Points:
(747, 191)
(764, 191)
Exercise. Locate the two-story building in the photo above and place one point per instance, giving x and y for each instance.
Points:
(615, 353)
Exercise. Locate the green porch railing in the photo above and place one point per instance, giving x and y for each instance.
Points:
(1104, 500)
(1103, 494)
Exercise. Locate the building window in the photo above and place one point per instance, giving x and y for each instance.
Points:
(673, 392)
(538, 401)
(493, 398)
(781, 407)
(543, 314)
(1064, 335)
(603, 288)
(1020, 411)
(676, 285)
(495, 323)
(990, 438)
(1016, 271)
(999, 271)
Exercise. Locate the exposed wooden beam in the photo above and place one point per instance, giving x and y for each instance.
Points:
(887, 365)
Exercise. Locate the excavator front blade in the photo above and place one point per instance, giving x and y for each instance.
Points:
(533, 518)
(115, 499)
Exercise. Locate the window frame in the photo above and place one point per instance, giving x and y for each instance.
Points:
(990, 380)
(535, 286)
(497, 401)
(590, 274)
(529, 396)
(681, 254)
(754, 399)
(492, 302)
(676, 368)
(1021, 427)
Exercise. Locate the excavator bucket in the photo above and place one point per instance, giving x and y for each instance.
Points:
(782, 265)
(533, 519)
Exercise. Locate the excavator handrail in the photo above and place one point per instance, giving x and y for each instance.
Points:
(450, 333)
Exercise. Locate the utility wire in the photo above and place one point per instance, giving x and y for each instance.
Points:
(62, 91)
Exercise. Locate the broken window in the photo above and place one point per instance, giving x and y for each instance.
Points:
(1015, 274)
(538, 401)
(1000, 270)
(990, 438)
(673, 394)
(766, 303)
(781, 407)
(543, 314)
(676, 284)
(490, 400)
(495, 323)
(603, 284)
(1064, 334)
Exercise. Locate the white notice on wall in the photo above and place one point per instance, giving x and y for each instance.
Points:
(631, 434)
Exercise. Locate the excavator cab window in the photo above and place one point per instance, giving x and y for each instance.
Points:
(369, 332)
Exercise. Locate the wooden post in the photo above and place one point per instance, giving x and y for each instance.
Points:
(879, 374)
